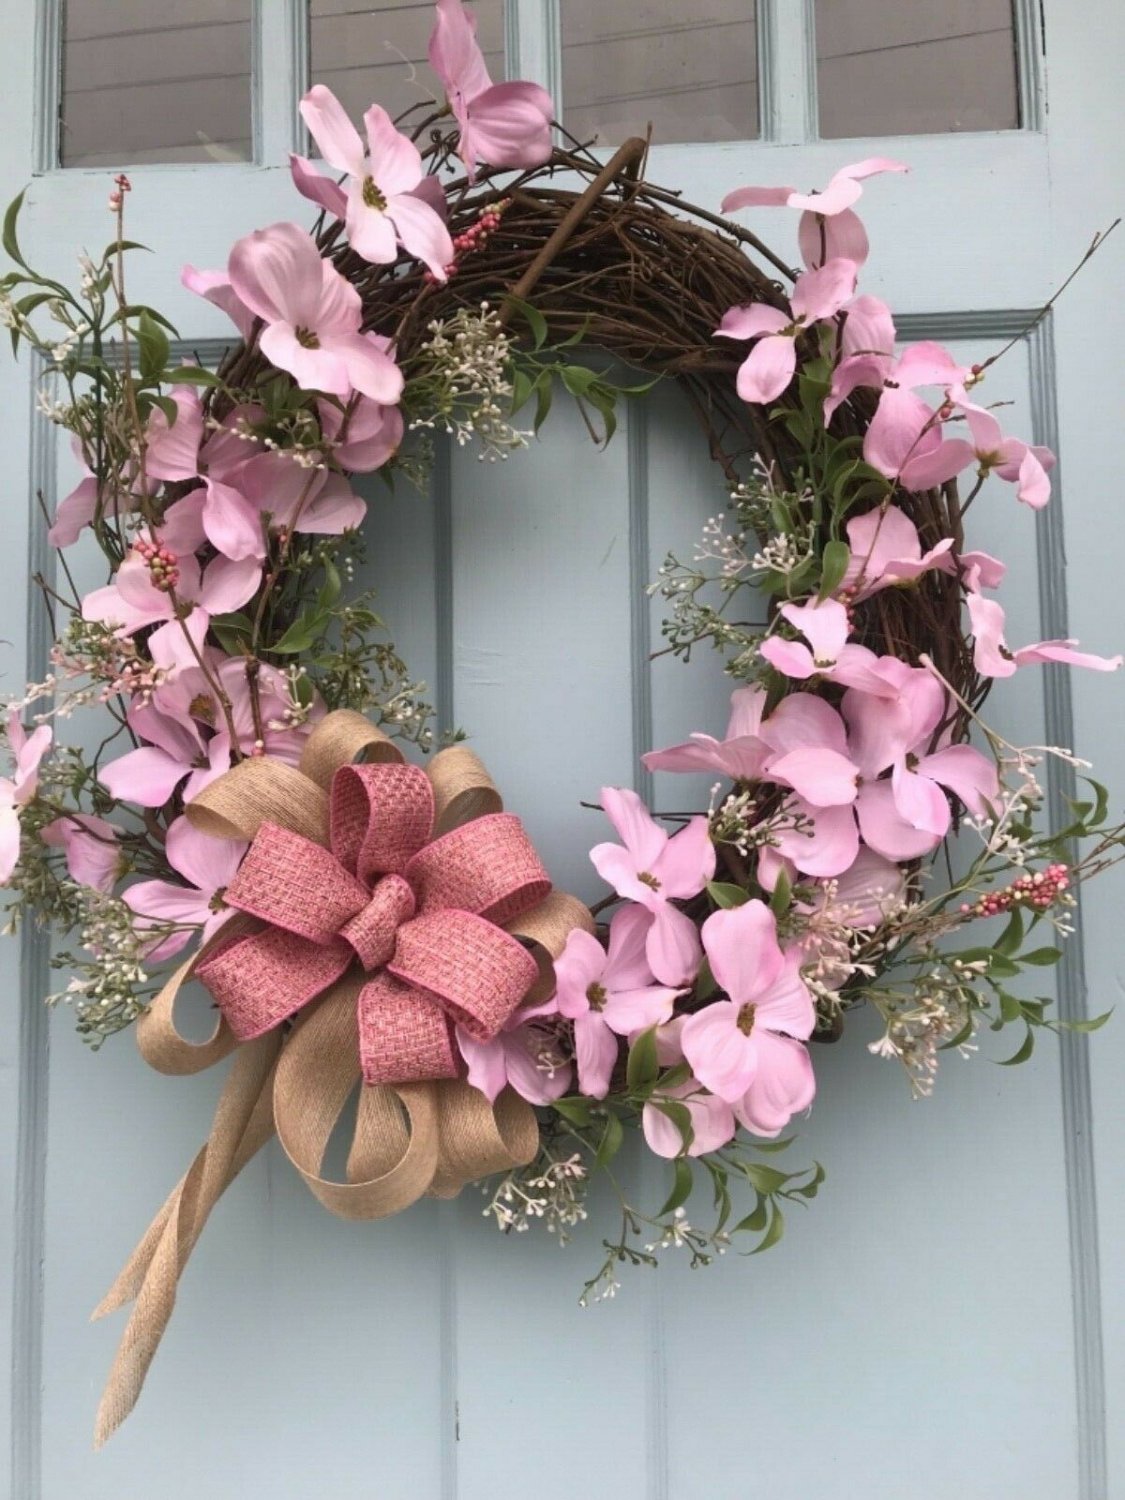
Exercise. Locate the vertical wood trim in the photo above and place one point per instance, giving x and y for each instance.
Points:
(445, 708)
(640, 570)
(1074, 1057)
(450, 1435)
(533, 44)
(1031, 82)
(1074, 1062)
(48, 64)
(33, 1046)
(278, 73)
(787, 71)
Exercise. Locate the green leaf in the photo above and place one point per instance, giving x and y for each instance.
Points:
(812, 1187)
(1042, 958)
(522, 387)
(834, 564)
(611, 1141)
(577, 379)
(330, 589)
(1012, 936)
(1095, 1024)
(1023, 1053)
(192, 375)
(301, 636)
(577, 1110)
(782, 894)
(1000, 967)
(673, 1077)
(756, 1220)
(681, 1187)
(726, 895)
(8, 236)
(680, 1116)
(544, 395)
(705, 981)
(533, 318)
(152, 346)
(642, 1068)
(773, 1233)
(765, 1179)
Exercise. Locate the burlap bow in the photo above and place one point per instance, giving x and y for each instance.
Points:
(424, 906)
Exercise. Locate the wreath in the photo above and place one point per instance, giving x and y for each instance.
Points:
(377, 928)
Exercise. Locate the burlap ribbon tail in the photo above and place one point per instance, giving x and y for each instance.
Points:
(417, 1135)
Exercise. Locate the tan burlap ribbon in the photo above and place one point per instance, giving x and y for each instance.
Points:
(409, 1140)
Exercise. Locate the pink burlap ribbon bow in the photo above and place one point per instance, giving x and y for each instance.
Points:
(422, 918)
(381, 935)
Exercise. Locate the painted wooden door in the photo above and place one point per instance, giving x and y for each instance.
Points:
(947, 1319)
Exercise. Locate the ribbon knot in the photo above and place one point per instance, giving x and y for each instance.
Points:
(422, 916)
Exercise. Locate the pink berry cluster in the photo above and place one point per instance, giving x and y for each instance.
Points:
(1037, 891)
(161, 563)
(121, 186)
(475, 237)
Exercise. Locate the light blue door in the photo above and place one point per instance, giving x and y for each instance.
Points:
(946, 1321)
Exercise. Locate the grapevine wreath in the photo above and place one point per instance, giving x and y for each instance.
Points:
(371, 922)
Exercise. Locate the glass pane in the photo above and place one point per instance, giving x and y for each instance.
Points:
(886, 67)
(375, 50)
(695, 80)
(155, 80)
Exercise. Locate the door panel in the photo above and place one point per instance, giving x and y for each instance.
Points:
(932, 1327)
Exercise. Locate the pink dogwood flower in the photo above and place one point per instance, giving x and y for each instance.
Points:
(314, 501)
(803, 744)
(382, 205)
(207, 865)
(501, 124)
(829, 227)
(312, 316)
(771, 364)
(93, 855)
(886, 553)
(993, 657)
(524, 1056)
(17, 790)
(609, 993)
(653, 869)
(829, 654)
(1025, 465)
(747, 1048)
(907, 815)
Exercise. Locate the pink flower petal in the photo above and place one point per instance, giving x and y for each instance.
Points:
(644, 838)
(147, 776)
(821, 293)
(672, 946)
(742, 947)
(839, 237)
(752, 321)
(756, 197)
(315, 186)
(626, 965)
(335, 135)
(422, 232)
(885, 829)
(786, 1005)
(825, 778)
(687, 861)
(967, 773)
(832, 846)
(721, 1056)
(767, 369)
(783, 1085)
(595, 1053)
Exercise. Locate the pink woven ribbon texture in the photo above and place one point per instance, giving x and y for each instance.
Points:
(420, 918)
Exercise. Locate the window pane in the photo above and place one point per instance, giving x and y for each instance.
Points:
(155, 80)
(886, 67)
(627, 65)
(374, 51)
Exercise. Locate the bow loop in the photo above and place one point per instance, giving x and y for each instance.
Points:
(381, 815)
(477, 971)
(488, 867)
(288, 881)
